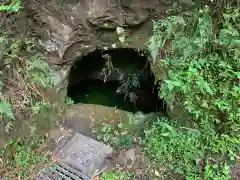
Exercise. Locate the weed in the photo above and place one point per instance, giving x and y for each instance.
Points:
(184, 150)
(203, 65)
(38, 71)
(116, 175)
(5, 108)
(41, 109)
(176, 149)
(115, 135)
(24, 75)
(23, 157)
(107, 70)
(200, 52)
(69, 101)
(216, 171)
(14, 6)
(128, 84)
(122, 133)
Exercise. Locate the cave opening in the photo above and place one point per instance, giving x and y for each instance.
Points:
(119, 78)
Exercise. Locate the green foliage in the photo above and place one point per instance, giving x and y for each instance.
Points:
(39, 72)
(41, 109)
(69, 101)
(212, 172)
(128, 85)
(19, 157)
(121, 134)
(202, 57)
(30, 69)
(183, 150)
(116, 175)
(24, 75)
(115, 135)
(5, 107)
(14, 6)
(8, 50)
(176, 149)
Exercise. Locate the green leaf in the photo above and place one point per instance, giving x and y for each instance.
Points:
(106, 137)
(122, 39)
(120, 125)
(99, 136)
(6, 109)
(169, 85)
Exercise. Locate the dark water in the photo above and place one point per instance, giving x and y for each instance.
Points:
(98, 92)
(83, 89)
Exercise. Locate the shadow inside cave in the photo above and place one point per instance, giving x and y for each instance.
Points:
(119, 78)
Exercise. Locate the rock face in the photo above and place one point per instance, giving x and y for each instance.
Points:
(80, 117)
(67, 30)
(71, 29)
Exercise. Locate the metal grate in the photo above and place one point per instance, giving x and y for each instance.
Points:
(61, 171)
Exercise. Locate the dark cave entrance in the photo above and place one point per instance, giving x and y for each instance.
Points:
(118, 78)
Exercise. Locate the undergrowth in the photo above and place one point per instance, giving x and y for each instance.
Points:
(120, 134)
(13, 6)
(200, 51)
(24, 107)
(202, 58)
(24, 76)
(190, 152)
(116, 175)
(23, 158)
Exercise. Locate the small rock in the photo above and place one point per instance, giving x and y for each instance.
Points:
(130, 155)
(114, 45)
(120, 31)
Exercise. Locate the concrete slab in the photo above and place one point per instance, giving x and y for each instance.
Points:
(84, 154)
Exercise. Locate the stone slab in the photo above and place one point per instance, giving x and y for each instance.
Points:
(84, 154)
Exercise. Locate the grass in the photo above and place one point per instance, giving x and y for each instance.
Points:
(116, 175)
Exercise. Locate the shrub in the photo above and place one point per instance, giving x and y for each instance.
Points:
(175, 149)
(201, 55)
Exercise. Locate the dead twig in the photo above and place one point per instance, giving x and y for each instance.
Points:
(97, 173)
